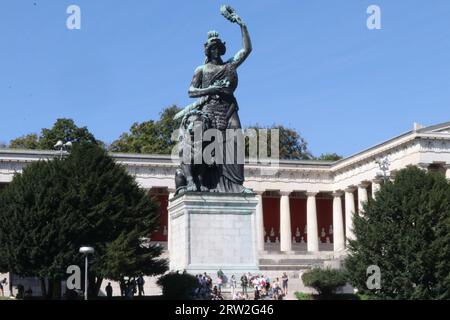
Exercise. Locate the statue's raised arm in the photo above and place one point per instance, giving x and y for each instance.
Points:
(230, 14)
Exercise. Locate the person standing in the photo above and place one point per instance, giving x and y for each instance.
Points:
(220, 274)
(140, 283)
(276, 289)
(109, 291)
(133, 286)
(3, 285)
(233, 284)
(257, 293)
(219, 284)
(285, 280)
(1, 288)
(123, 287)
(244, 283)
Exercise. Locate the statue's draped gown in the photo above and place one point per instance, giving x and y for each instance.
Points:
(226, 177)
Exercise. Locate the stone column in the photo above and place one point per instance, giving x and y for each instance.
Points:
(362, 196)
(349, 212)
(260, 221)
(376, 186)
(285, 223)
(338, 222)
(169, 232)
(311, 222)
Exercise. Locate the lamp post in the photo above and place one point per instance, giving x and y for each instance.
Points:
(61, 146)
(86, 251)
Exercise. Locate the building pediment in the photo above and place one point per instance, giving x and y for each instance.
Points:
(443, 128)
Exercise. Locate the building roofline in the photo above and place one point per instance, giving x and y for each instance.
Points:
(287, 163)
(412, 133)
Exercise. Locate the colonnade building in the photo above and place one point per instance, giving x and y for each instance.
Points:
(305, 208)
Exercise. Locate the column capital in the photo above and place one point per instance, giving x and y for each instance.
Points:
(377, 180)
(363, 184)
(311, 193)
(337, 193)
(285, 193)
(350, 189)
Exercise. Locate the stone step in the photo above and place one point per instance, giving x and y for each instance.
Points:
(285, 267)
(291, 261)
(295, 255)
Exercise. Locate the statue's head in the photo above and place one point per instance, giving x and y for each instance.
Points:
(214, 47)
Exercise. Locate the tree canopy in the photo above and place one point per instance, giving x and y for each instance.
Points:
(328, 157)
(54, 207)
(152, 137)
(406, 233)
(63, 129)
(155, 137)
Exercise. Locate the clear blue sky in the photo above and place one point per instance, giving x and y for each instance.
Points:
(315, 65)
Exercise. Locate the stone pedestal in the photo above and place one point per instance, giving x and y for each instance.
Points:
(212, 231)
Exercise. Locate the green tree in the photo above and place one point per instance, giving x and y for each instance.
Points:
(54, 207)
(152, 137)
(325, 281)
(328, 157)
(155, 137)
(29, 141)
(406, 233)
(178, 286)
(63, 129)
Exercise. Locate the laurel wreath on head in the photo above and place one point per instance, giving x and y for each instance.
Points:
(229, 13)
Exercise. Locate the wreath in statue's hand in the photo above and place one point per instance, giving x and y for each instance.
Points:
(230, 14)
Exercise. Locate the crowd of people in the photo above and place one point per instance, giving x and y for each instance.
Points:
(263, 287)
(206, 290)
(129, 287)
(248, 286)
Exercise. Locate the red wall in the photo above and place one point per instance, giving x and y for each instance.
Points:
(163, 201)
(298, 217)
(324, 217)
(271, 207)
(271, 216)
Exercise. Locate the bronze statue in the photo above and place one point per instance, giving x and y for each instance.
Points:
(214, 84)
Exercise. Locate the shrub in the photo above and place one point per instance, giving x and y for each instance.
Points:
(177, 286)
(325, 281)
(405, 231)
(303, 296)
